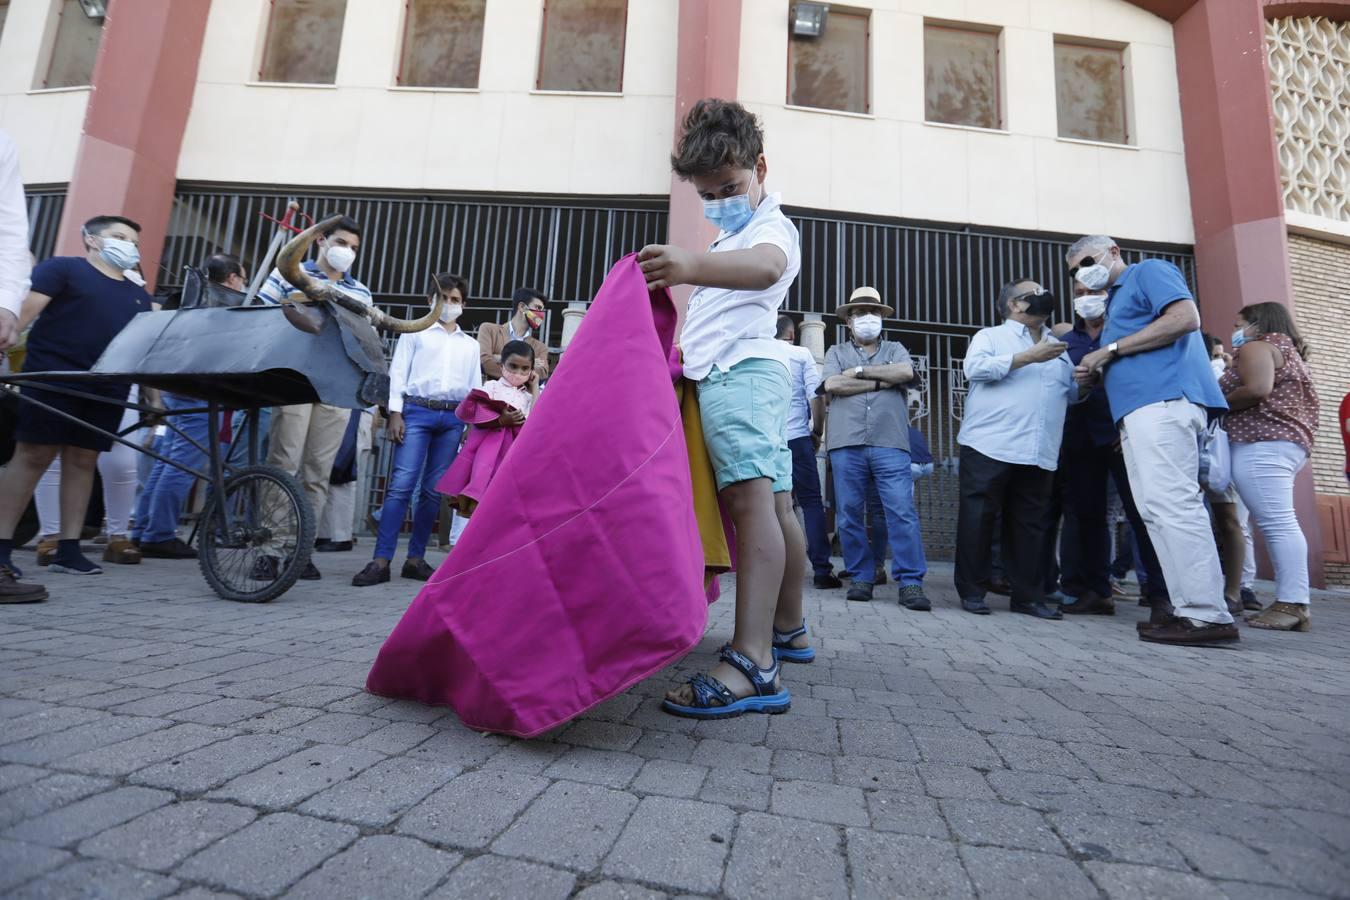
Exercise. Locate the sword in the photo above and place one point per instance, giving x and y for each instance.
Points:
(261, 273)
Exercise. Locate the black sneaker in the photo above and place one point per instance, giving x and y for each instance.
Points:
(828, 582)
(912, 597)
(1038, 609)
(327, 546)
(417, 569)
(267, 568)
(373, 573)
(175, 548)
(75, 564)
(861, 592)
(311, 573)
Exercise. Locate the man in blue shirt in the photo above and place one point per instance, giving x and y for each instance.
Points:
(1020, 386)
(1162, 394)
(80, 303)
(304, 439)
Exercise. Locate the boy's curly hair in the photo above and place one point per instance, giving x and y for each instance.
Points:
(717, 133)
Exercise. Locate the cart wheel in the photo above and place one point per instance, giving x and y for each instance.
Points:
(254, 545)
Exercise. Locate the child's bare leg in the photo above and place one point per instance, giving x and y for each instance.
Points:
(788, 615)
(759, 576)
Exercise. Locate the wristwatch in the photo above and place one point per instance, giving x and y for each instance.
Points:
(1113, 348)
(857, 371)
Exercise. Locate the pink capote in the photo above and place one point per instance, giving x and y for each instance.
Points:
(581, 572)
(483, 452)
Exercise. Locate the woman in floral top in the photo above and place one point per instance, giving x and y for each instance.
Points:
(1271, 426)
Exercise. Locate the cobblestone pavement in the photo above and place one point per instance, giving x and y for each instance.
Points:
(157, 741)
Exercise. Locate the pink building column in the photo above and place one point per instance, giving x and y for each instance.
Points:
(133, 130)
(707, 65)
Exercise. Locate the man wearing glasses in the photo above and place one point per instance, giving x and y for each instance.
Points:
(1162, 395)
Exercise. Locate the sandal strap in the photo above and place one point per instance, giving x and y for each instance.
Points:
(708, 689)
(762, 680)
(784, 637)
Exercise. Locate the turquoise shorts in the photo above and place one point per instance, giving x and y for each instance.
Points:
(744, 413)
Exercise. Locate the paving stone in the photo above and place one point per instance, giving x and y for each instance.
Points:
(472, 809)
(882, 740)
(614, 890)
(569, 825)
(802, 765)
(718, 754)
(266, 856)
(211, 766)
(382, 865)
(56, 746)
(395, 738)
(44, 719)
(139, 752)
(161, 839)
(1018, 874)
(527, 757)
(498, 878)
(89, 816)
(16, 775)
(160, 703)
(286, 782)
(1036, 755)
(885, 866)
(19, 862)
(1219, 856)
(1114, 839)
(738, 788)
(776, 857)
(596, 767)
(819, 735)
(675, 844)
(1038, 790)
(665, 745)
(96, 879)
(336, 728)
(225, 711)
(601, 735)
(459, 746)
(1127, 882)
(671, 779)
(951, 746)
(43, 795)
(739, 730)
(380, 794)
(954, 782)
(980, 822)
(869, 773)
(831, 803)
(905, 814)
(277, 720)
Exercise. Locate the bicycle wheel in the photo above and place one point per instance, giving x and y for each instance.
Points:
(256, 552)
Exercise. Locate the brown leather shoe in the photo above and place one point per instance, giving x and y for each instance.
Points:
(1191, 632)
(46, 551)
(1160, 613)
(1089, 603)
(120, 550)
(14, 591)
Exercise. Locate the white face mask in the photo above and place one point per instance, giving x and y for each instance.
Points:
(1097, 276)
(1090, 306)
(339, 257)
(451, 311)
(866, 327)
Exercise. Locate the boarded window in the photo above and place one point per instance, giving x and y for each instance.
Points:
(960, 71)
(830, 71)
(1090, 92)
(75, 48)
(303, 37)
(442, 43)
(582, 45)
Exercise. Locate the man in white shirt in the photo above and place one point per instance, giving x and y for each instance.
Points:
(15, 260)
(805, 425)
(1021, 383)
(304, 439)
(431, 372)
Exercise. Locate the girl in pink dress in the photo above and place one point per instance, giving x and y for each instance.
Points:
(498, 412)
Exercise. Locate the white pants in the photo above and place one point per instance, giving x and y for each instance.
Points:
(1264, 474)
(118, 469)
(1248, 560)
(1162, 457)
(339, 512)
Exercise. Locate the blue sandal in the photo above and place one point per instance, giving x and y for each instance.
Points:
(785, 652)
(714, 700)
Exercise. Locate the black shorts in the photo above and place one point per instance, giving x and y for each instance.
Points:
(41, 426)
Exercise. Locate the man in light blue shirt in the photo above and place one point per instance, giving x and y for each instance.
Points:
(1021, 383)
(1162, 394)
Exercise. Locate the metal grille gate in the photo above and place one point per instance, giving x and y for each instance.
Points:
(942, 279)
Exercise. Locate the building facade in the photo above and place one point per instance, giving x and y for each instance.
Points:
(933, 148)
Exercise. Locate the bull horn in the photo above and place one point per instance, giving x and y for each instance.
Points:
(289, 261)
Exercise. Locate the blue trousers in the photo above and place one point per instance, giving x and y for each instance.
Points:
(806, 485)
(238, 425)
(166, 490)
(430, 444)
(855, 468)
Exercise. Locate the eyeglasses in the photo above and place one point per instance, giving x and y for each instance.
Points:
(1085, 262)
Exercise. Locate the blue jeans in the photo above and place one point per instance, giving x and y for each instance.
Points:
(888, 468)
(241, 441)
(806, 485)
(430, 444)
(166, 490)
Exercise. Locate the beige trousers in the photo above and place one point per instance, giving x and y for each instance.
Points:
(304, 441)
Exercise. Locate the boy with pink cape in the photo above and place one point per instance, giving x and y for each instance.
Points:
(583, 568)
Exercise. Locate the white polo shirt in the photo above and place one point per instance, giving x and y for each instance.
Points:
(724, 327)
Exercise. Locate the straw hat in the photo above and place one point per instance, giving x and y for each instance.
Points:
(864, 297)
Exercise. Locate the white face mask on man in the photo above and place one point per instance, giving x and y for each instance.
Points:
(866, 327)
(1097, 276)
(340, 257)
(451, 311)
(1090, 306)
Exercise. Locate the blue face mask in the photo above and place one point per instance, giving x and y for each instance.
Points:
(730, 214)
(1239, 338)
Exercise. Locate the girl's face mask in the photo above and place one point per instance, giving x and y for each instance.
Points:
(515, 379)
